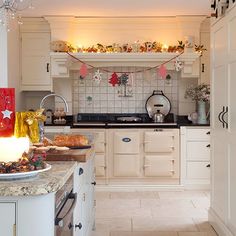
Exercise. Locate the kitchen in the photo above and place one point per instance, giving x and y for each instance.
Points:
(118, 75)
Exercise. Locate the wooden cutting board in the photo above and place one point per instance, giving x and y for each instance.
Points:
(80, 155)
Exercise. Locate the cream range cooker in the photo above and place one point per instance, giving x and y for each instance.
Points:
(131, 149)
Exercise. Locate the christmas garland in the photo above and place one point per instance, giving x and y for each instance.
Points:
(126, 76)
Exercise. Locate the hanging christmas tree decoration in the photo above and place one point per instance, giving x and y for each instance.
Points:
(162, 72)
(97, 77)
(83, 71)
(7, 111)
(114, 79)
(178, 64)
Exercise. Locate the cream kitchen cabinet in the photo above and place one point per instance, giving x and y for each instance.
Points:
(126, 153)
(35, 61)
(161, 147)
(143, 156)
(8, 220)
(222, 213)
(195, 157)
(100, 148)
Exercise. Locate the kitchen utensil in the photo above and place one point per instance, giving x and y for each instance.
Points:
(157, 99)
(158, 117)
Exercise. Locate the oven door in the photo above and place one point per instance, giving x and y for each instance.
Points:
(64, 219)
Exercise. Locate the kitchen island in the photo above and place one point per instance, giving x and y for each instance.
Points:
(46, 204)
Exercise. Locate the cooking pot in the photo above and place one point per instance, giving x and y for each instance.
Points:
(157, 100)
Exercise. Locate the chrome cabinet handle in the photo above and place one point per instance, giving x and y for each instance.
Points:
(79, 226)
(223, 117)
(220, 116)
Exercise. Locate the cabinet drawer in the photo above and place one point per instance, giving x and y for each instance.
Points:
(159, 166)
(198, 170)
(198, 150)
(159, 141)
(100, 165)
(126, 165)
(198, 134)
(126, 142)
(100, 142)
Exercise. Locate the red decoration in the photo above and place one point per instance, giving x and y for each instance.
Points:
(114, 79)
(7, 111)
(162, 71)
(83, 70)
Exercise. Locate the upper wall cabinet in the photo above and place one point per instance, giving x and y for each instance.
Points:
(35, 61)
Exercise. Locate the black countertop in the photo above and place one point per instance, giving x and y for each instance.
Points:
(181, 121)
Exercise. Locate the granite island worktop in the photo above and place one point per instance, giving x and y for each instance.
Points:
(44, 183)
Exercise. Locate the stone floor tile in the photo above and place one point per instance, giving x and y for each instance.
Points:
(123, 212)
(163, 224)
(203, 225)
(182, 194)
(134, 195)
(196, 234)
(118, 203)
(113, 224)
(179, 212)
(184, 203)
(143, 233)
(201, 202)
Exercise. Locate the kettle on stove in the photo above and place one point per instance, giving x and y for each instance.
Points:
(158, 117)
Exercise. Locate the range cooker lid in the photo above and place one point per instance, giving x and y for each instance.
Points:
(129, 119)
(157, 101)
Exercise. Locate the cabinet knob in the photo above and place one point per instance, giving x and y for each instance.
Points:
(79, 226)
(208, 166)
(70, 226)
(208, 145)
(94, 183)
(208, 133)
(81, 171)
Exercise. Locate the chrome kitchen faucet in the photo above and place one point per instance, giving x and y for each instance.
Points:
(54, 95)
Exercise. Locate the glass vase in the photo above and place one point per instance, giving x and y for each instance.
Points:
(201, 105)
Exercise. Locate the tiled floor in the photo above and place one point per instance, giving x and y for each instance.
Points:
(149, 213)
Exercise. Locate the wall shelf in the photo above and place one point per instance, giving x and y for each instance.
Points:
(62, 63)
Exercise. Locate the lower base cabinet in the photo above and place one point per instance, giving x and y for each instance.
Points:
(84, 214)
(195, 157)
(8, 219)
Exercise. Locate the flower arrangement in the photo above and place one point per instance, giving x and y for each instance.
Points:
(198, 93)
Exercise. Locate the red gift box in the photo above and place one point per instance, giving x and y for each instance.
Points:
(7, 112)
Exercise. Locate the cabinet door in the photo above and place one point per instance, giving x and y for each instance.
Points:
(100, 142)
(219, 137)
(35, 59)
(126, 142)
(198, 150)
(159, 166)
(100, 165)
(126, 165)
(7, 219)
(231, 120)
(162, 141)
(198, 170)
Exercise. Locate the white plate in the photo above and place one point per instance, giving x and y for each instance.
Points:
(21, 175)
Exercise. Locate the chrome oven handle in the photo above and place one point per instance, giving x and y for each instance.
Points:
(59, 221)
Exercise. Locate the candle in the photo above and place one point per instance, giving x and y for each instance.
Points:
(12, 148)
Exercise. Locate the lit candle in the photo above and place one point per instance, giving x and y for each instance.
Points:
(12, 148)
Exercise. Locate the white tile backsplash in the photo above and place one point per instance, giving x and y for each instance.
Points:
(105, 97)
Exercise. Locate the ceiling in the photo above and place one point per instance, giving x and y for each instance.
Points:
(119, 8)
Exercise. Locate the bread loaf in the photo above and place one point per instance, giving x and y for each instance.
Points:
(70, 140)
